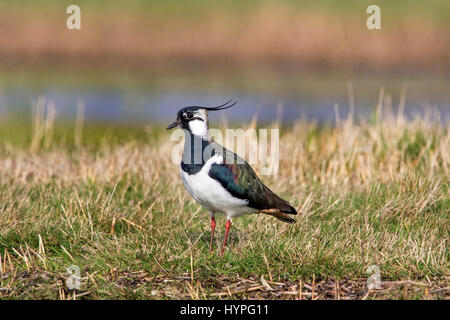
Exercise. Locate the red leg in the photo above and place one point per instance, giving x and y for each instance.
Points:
(213, 227)
(227, 230)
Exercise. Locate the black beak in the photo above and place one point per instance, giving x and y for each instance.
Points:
(173, 125)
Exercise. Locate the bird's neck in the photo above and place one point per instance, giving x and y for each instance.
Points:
(196, 149)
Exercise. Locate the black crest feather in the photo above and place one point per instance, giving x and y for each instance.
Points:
(226, 105)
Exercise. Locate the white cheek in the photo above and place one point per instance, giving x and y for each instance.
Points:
(198, 127)
(219, 159)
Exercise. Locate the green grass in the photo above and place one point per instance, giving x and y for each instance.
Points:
(368, 194)
(194, 5)
(338, 238)
(438, 10)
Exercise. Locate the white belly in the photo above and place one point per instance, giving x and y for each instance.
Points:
(210, 193)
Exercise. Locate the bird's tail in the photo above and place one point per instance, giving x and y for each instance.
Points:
(283, 217)
(279, 215)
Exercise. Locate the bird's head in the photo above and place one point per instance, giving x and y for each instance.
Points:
(195, 118)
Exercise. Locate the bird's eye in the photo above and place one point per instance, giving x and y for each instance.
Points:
(189, 115)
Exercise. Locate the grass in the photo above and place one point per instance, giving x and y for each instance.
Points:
(434, 8)
(369, 193)
(244, 33)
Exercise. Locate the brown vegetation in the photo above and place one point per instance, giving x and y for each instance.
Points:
(271, 34)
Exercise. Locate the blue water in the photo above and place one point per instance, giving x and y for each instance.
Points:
(120, 104)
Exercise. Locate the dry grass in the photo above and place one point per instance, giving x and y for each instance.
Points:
(270, 33)
(376, 192)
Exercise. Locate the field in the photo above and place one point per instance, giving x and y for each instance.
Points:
(108, 200)
(284, 33)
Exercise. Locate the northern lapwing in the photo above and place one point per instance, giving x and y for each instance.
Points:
(218, 179)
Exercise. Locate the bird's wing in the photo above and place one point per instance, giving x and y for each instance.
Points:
(242, 182)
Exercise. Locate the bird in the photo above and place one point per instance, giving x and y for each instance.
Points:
(218, 179)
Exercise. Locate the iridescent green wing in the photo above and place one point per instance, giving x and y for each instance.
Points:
(236, 176)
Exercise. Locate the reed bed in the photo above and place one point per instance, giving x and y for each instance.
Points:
(248, 33)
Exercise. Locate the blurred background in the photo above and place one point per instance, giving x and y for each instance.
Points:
(139, 61)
